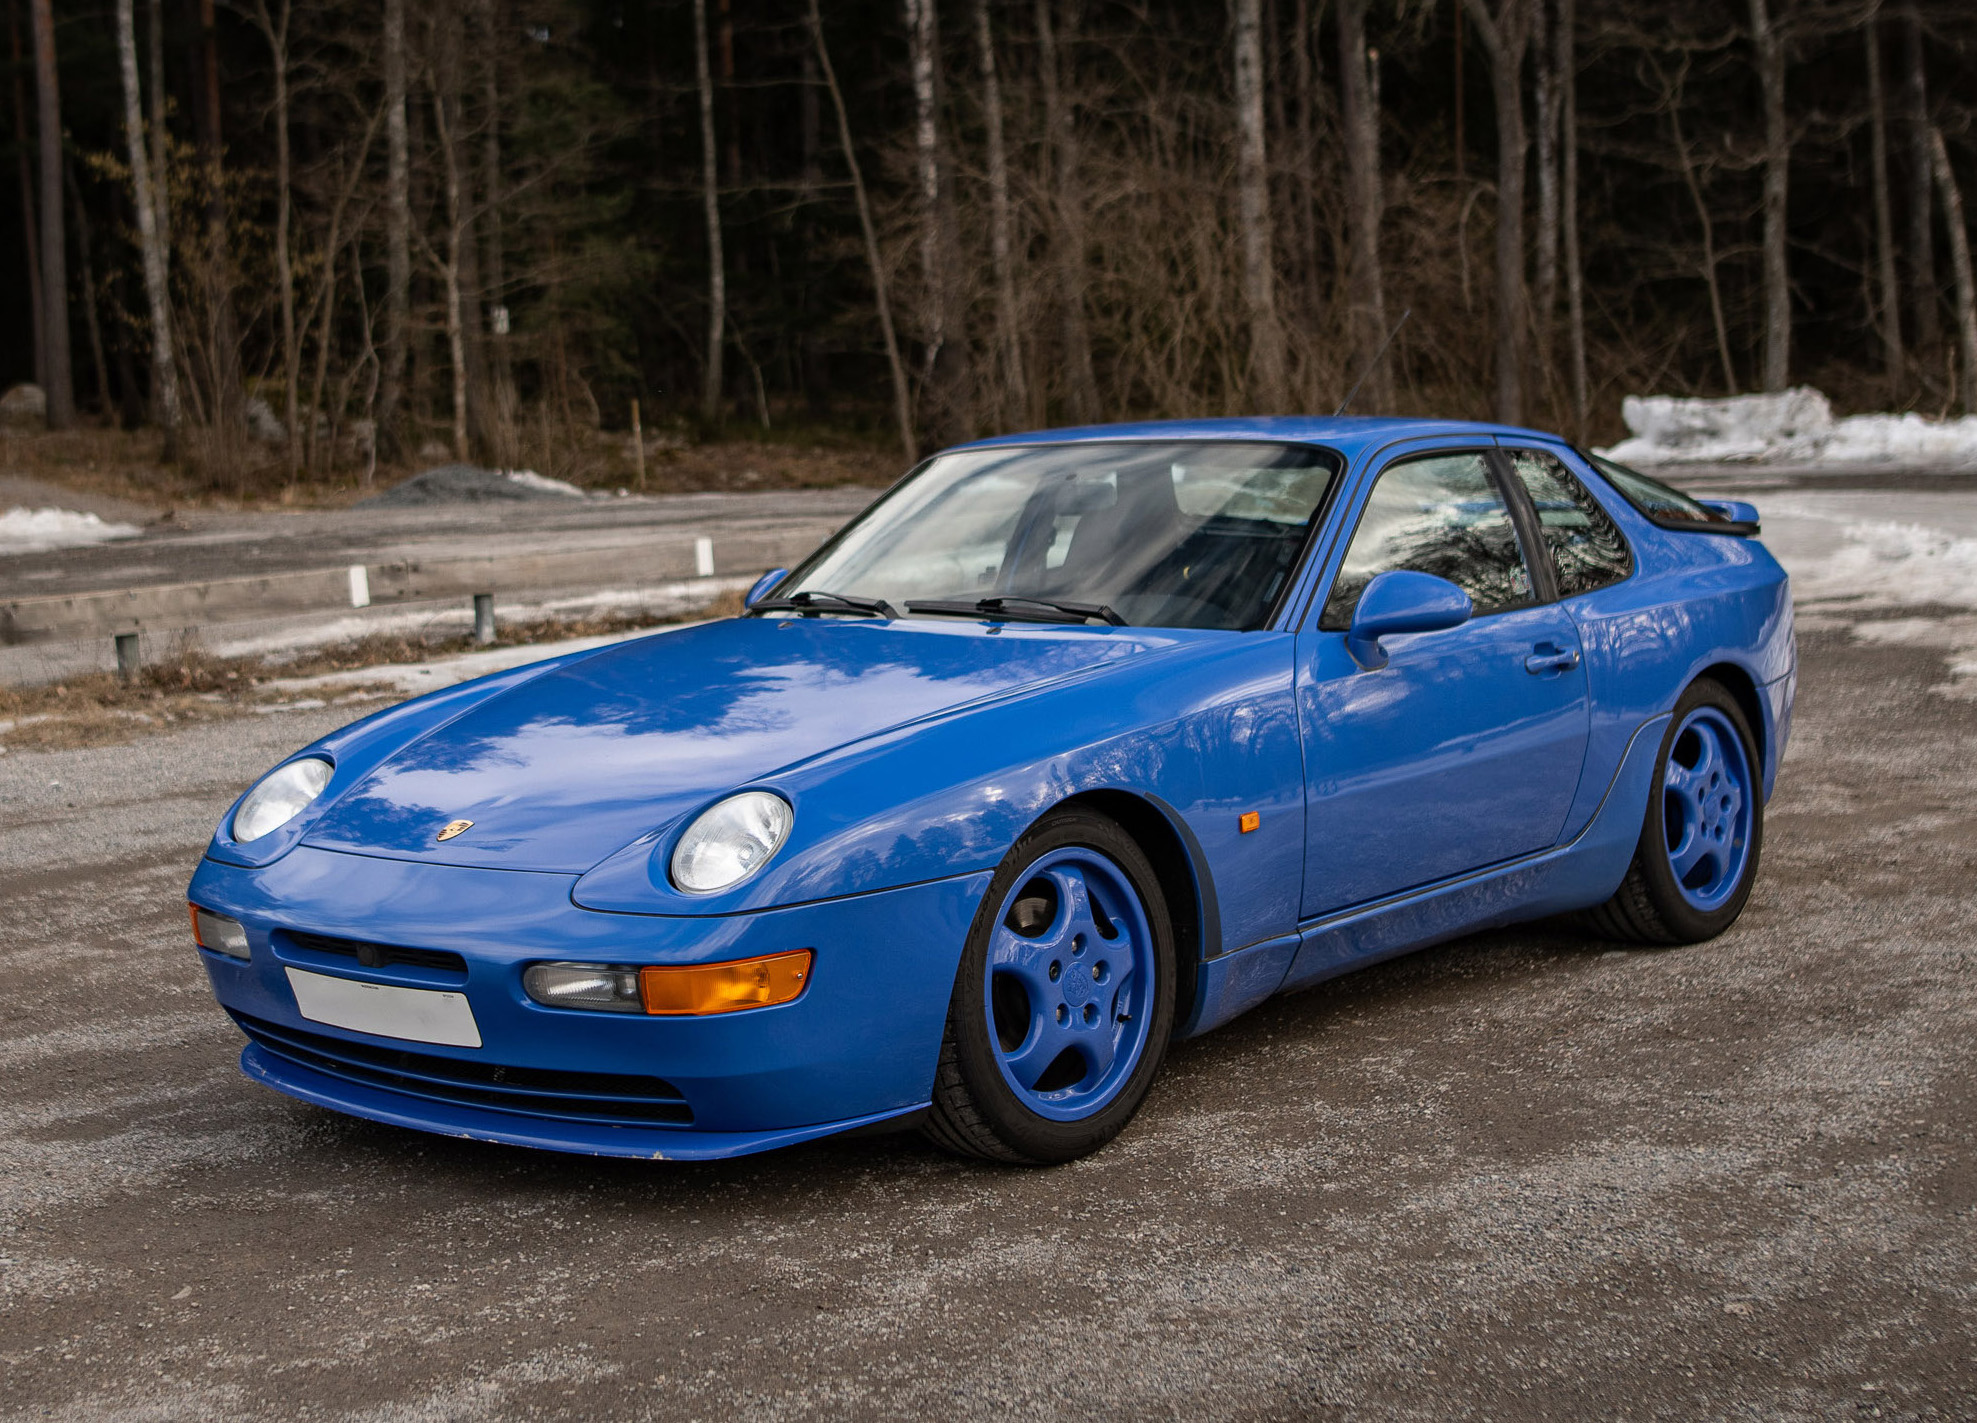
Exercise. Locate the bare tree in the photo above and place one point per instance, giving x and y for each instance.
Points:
(221, 335)
(1060, 182)
(1266, 336)
(1009, 343)
(1921, 232)
(59, 383)
(1769, 49)
(494, 273)
(1884, 226)
(150, 242)
(30, 239)
(717, 278)
(902, 400)
(1575, 279)
(274, 29)
(1966, 288)
(161, 146)
(1506, 35)
(943, 377)
(397, 233)
(1364, 282)
(1545, 283)
(1672, 100)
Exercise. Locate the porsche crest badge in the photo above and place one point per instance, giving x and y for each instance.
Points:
(454, 828)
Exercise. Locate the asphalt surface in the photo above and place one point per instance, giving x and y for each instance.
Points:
(195, 545)
(1520, 1176)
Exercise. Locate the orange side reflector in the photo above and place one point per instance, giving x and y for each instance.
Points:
(1250, 820)
(193, 910)
(725, 987)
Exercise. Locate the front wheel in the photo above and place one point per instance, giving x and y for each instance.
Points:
(1064, 1000)
(1697, 857)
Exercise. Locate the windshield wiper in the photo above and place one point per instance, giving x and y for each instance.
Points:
(1001, 606)
(817, 602)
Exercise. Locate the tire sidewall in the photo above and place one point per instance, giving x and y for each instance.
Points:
(1689, 924)
(1034, 1137)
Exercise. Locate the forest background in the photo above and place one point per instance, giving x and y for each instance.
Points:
(305, 246)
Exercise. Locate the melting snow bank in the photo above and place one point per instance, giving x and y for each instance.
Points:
(469, 484)
(39, 530)
(1793, 427)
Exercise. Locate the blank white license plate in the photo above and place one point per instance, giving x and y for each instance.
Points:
(420, 1015)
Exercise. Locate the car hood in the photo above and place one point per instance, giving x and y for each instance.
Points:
(561, 770)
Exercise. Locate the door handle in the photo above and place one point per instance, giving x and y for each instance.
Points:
(1549, 657)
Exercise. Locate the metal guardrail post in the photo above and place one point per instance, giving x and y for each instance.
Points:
(483, 618)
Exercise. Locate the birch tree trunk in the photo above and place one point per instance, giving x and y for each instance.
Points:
(943, 376)
(59, 383)
(1506, 35)
(1266, 336)
(1067, 206)
(1365, 284)
(1770, 55)
(30, 238)
(456, 343)
(1884, 225)
(717, 278)
(1009, 342)
(161, 147)
(397, 236)
(1575, 282)
(902, 400)
(275, 31)
(1921, 228)
(150, 242)
(1966, 288)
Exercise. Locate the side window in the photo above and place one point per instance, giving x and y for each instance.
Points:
(1586, 546)
(1439, 514)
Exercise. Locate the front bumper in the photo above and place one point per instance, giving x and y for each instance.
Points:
(859, 1046)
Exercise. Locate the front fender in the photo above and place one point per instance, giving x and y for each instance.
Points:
(1208, 732)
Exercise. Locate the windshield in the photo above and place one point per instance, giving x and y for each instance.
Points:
(1171, 534)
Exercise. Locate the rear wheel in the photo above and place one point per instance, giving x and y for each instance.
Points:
(1698, 853)
(1064, 1000)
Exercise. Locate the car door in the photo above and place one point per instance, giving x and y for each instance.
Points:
(1465, 749)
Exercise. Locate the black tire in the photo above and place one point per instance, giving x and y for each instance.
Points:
(975, 1112)
(1649, 907)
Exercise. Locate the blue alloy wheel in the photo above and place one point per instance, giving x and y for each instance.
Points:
(1707, 797)
(1067, 979)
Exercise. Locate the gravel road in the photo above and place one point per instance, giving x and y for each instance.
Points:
(1520, 1176)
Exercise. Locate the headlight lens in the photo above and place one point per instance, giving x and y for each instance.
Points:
(731, 841)
(284, 794)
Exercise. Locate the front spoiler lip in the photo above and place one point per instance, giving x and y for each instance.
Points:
(541, 1133)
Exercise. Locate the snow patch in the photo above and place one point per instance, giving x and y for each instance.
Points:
(543, 484)
(39, 530)
(1794, 427)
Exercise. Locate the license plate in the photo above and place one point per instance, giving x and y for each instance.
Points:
(420, 1015)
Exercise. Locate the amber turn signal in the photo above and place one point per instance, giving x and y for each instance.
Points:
(725, 987)
(1250, 820)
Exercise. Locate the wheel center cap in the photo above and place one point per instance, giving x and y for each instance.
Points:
(1076, 984)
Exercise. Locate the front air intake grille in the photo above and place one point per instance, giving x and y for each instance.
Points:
(378, 955)
(532, 1091)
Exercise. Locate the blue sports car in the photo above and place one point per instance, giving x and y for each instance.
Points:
(1073, 743)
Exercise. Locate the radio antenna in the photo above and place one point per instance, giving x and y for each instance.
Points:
(1372, 364)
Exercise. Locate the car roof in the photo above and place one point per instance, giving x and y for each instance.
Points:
(1350, 435)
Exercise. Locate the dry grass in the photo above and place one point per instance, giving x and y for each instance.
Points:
(102, 709)
(236, 474)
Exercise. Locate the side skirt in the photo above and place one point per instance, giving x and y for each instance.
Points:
(1576, 875)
